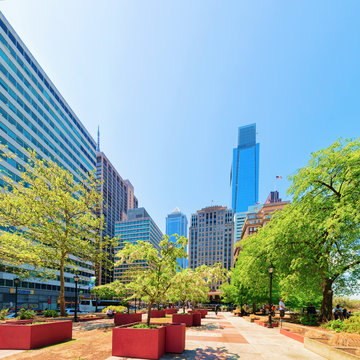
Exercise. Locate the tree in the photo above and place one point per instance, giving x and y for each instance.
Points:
(112, 290)
(193, 285)
(53, 215)
(152, 282)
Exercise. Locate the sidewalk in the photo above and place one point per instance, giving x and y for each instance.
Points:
(226, 337)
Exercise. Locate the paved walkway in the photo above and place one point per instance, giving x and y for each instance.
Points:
(226, 337)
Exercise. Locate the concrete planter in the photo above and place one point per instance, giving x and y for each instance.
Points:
(196, 318)
(265, 324)
(25, 337)
(328, 351)
(157, 313)
(183, 319)
(175, 338)
(171, 311)
(123, 319)
(292, 335)
(19, 322)
(139, 343)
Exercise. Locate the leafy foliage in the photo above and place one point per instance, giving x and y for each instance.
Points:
(308, 319)
(153, 281)
(26, 314)
(49, 219)
(50, 313)
(3, 313)
(118, 309)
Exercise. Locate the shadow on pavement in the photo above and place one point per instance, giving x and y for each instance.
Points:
(209, 353)
(204, 327)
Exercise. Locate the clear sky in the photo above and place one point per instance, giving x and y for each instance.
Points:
(169, 82)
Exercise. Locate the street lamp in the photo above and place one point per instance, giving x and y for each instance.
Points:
(16, 283)
(76, 279)
(271, 270)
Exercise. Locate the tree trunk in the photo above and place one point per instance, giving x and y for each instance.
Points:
(254, 308)
(62, 289)
(326, 303)
(183, 307)
(149, 313)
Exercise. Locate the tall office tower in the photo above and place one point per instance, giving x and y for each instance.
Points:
(245, 170)
(176, 223)
(34, 115)
(118, 195)
(211, 237)
(139, 226)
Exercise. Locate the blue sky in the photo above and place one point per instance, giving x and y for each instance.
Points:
(169, 82)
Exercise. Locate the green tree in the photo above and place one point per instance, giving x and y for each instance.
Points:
(152, 282)
(53, 216)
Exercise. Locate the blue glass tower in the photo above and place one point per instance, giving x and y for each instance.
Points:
(245, 170)
(176, 223)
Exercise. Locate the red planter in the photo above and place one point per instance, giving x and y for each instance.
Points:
(203, 312)
(138, 343)
(157, 313)
(123, 319)
(196, 319)
(265, 324)
(183, 319)
(27, 321)
(25, 337)
(175, 338)
(292, 335)
(171, 311)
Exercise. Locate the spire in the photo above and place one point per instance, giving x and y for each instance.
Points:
(98, 140)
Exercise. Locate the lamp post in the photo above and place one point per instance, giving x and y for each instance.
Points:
(76, 279)
(271, 270)
(16, 283)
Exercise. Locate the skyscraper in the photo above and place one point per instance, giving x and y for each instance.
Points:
(118, 198)
(211, 237)
(139, 226)
(245, 170)
(34, 115)
(176, 223)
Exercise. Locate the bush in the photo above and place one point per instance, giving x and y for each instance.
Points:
(308, 319)
(351, 325)
(50, 313)
(26, 314)
(144, 326)
(118, 309)
(3, 313)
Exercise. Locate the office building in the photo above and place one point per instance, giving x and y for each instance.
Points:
(239, 220)
(211, 237)
(176, 223)
(258, 216)
(34, 115)
(118, 195)
(139, 226)
(245, 170)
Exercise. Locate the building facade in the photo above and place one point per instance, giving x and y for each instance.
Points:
(34, 115)
(245, 170)
(211, 235)
(139, 226)
(176, 223)
(258, 217)
(239, 220)
(118, 195)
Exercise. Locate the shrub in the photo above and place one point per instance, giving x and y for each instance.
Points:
(50, 313)
(118, 309)
(351, 325)
(308, 319)
(26, 314)
(3, 313)
(144, 326)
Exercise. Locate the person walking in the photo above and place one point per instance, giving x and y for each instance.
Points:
(282, 308)
(217, 307)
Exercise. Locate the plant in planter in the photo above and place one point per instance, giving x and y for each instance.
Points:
(50, 313)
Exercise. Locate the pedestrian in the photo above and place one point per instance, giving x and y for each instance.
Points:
(282, 308)
(337, 312)
(217, 307)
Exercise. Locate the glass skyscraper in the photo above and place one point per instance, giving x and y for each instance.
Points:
(176, 223)
(34, 115)
(245, 170)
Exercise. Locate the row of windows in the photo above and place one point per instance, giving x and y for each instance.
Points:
(27, 134)
(34, 67)
(42, 125)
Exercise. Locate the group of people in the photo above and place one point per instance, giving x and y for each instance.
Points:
(340, 313)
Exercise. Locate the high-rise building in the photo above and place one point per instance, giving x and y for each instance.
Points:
(239, 220)
(176, 223)
(34, 115)
(118, 198)
(245, 170)
(139, 226)
(211, 237)
(258, 216)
